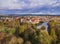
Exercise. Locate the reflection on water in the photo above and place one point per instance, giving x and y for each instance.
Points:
(43, 24)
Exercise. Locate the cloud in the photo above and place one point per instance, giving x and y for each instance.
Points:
(30, 6)
(20, 4)
(11, 4)
(56, 4)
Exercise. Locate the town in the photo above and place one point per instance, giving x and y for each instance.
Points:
(29, 19)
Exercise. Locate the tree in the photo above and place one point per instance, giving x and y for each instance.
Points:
(40, 36)
(53, 36)
(21, 29)
(2, 38)
(28, 42)
(52, 31)
(20, 40)
(43, 36)
(58, 32)
(15, 40)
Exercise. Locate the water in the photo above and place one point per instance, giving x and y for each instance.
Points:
(43, 24)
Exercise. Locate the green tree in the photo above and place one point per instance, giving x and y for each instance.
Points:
(53, 36)
(15, 40)
(21, 29)
(52, 31)
(43, 36)
(58, 32)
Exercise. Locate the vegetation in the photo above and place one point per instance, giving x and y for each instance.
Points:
(16, 32)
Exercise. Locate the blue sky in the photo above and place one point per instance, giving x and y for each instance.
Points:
(30, 6)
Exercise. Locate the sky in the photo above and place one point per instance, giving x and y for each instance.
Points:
(30, 6)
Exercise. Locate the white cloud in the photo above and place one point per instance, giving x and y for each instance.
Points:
(19, 4)
(55, 5)
(41, 2)
(12, 4)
